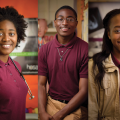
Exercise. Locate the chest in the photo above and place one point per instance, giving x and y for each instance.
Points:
(11, 83)
(64, 58)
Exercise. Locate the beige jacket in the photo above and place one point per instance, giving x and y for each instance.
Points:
(103, 102)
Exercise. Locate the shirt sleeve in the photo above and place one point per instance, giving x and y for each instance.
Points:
(83, 71)
(92, 95)
(42, 62)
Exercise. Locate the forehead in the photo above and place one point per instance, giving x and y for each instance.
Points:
(115, 21)
(65, 13)
(6, 24)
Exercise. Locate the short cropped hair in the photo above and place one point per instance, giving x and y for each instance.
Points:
(66, 7)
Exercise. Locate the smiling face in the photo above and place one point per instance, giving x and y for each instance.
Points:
(8, 37)
(114, 33)
(65, 28)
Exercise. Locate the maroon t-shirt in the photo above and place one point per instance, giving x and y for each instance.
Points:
(13, 91)
(63, 76)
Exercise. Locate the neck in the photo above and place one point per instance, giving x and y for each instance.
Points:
(117, 55)
(4, 58)
(64, 39)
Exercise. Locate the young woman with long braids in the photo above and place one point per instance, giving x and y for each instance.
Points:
(104, 73)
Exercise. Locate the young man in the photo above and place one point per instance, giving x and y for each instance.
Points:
(64, 63)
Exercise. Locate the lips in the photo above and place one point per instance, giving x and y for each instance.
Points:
(64, 29)
(6, 46)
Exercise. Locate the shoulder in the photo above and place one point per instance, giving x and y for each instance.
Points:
(81, 46)
(44, 50)
(90, 63)
(18, 65)
(47, 46)
(81, 42)
(92, 69)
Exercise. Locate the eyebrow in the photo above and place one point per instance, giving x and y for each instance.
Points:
(9, 29)
(117, 27)
(67, 16)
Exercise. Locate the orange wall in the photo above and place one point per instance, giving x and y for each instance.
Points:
(28, 8)
(32, 81)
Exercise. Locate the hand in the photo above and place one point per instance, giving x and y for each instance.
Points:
(57, 116)
(45, 116)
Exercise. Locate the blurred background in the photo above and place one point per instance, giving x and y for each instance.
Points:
(97, 11)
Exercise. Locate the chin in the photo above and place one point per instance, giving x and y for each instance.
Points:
(64, 34)
(6, 52)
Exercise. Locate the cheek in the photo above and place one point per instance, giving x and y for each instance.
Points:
(115, 37)
(15, 40)
(57, 25)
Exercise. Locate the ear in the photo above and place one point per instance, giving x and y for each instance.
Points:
(108, 34)
(55, 23)
(76, 23)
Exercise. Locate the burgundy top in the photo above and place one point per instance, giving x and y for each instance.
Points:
(13, 91)
(63, 76)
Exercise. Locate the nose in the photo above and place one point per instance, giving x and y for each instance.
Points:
(5, 37)
(64, 21)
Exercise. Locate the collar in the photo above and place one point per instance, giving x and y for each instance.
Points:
(9, 62)
(116, 62)
(109, 64)
(68, 45)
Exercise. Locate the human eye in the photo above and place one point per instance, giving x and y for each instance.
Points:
(60, 19)
(117, 31)
(11, 34)
(70, 19)
(1, 34)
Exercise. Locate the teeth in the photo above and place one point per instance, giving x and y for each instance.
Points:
(6, 46)
(64, 28)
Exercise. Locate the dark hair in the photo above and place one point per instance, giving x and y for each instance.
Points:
(66, 7)
(107, 47)
(11, 14)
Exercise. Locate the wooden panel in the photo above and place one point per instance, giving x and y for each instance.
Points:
(79, 26)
